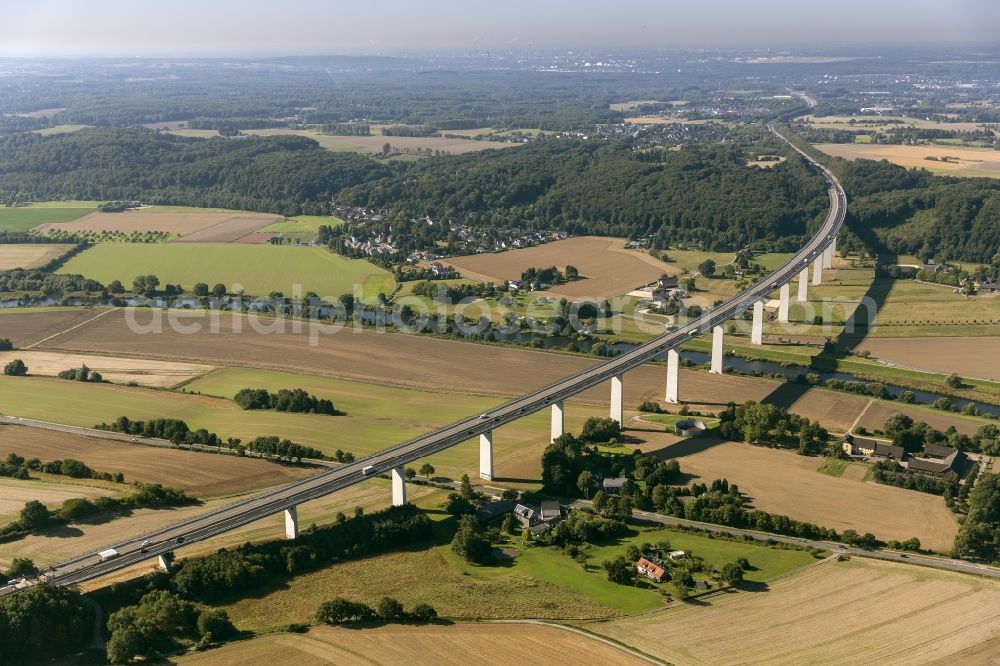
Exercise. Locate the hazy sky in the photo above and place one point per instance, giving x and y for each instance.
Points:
(144, 27)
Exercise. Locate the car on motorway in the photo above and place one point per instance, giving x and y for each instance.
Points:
(179, 539)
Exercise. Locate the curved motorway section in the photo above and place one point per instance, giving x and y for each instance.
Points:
(289, 496)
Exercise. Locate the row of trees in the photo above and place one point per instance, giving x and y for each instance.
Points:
(18, 467)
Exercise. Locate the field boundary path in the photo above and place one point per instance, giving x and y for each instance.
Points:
(71, 328)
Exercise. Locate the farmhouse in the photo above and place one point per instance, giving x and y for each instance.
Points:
(540, 520)
(860, 446)
(525, 515)
(613, 486)
(937, 459)
(649, 570)
(988, 287)
(675, 555)
(442, 271)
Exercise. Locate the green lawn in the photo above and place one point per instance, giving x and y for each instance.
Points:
(303, 223)
(260, 269)
(833, 467)
(552, 566)
(23, 218)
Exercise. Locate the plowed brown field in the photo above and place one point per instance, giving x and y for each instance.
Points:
(607, 268)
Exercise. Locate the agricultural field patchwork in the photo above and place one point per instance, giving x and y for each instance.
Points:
(15, 492)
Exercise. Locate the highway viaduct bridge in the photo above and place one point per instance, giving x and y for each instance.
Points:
(806, 267)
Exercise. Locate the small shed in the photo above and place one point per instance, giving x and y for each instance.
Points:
(689, 428)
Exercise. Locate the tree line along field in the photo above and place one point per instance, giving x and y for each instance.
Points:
(259, 269)
(456, 644)
(855, 612)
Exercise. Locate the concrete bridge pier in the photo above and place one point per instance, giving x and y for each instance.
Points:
(803, 285)
(617, 399)
(757, 330)
(818, 271)
(673, 376)
(558, 420)
(828, 257)
(784, 296)
(833, 247)
(165, 561)
(486, 455)
(398, 487)
(717, 353)
(292, 522)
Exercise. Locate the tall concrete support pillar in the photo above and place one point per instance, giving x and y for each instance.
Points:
(783, 298)
(398, 487)
(757, 330)
(818, 271)
(617, 399)
(165, 562)
(486, 455)
(673, 376)
(803, 285)
(717, 350)
(558, 420)
(833, 247)
(828, 257)
(292, 523)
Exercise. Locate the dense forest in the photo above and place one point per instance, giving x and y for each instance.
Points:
(915, 212)
(702, 194)
(280, 174)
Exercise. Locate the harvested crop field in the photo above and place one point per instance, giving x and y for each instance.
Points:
(30, 255)
(199, 474)
(145, 372)
(230, 225)
(26, 328)
(428, 363)
(876, 415)
(230, 230)
(855, 612)
(786, 483)
(981, 162)
(968, 357)
(606, 267)
(14, 493)
(458, 644)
